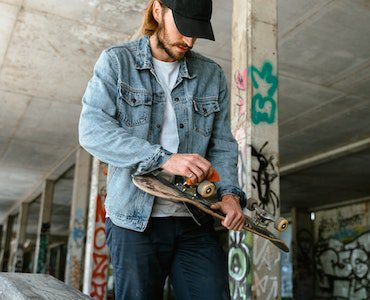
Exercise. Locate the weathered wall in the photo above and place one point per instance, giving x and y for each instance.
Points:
(342, 253)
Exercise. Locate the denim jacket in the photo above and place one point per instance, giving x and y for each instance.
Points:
(122, 116)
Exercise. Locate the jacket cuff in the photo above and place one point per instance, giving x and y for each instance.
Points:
(230, 189)
(154, 162)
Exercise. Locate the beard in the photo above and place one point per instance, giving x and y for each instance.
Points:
(164, 43)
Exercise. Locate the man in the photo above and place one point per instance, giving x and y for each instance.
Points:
(155, 105)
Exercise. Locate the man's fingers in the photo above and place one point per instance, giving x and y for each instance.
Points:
(216, 206)
(198, 173)
(239, 227)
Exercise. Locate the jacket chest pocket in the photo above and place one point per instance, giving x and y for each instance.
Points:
(204, 115)
(134, 107)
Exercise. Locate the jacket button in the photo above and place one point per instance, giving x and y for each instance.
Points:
(158, 125)
(181, 125)
(177, 99)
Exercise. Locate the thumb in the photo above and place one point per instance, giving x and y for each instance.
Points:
(216, 205)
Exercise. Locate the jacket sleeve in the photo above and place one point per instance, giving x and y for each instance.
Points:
(99, 131)
(222, 151)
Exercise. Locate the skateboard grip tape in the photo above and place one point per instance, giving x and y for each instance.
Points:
(213, 176)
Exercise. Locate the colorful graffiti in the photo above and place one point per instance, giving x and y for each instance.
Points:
(342, 253)
(100, 252)
(43, 247)
(265, 85)
(241, 85)
(239, 266)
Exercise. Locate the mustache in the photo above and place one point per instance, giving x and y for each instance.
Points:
(182, 45)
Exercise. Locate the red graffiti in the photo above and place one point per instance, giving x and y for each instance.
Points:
(241, 85)
(100, 254)
(241, 80)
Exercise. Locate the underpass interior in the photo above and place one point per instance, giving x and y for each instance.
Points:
(47, 52)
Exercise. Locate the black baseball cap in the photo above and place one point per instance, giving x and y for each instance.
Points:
(192, 17)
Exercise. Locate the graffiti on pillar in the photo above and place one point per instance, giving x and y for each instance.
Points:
(239, 266)
(265, 84)
(241, 85)
(75, 247)
(342, 253)
(18, 265)
(264, 176)
(100, 253)
(78, 232)
(265, 257)
(43, 247)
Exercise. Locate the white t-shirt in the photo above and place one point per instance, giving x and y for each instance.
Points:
(167, 73)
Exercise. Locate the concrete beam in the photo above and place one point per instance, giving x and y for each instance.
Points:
(57, 171)
(44, 227)
(17, 265)
(325, 157)
(78, 220)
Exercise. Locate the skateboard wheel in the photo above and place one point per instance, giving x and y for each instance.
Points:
(251, 202)
(281, 224)
(206, 189)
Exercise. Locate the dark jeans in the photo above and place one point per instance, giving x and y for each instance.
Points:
(176, 246)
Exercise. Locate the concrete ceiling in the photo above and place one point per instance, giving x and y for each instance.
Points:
(48, 49)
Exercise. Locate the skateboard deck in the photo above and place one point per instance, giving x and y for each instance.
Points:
(159, 187)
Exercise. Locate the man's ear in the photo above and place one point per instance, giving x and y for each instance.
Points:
(157, 11)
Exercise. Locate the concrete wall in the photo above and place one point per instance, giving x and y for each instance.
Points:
(342, 238)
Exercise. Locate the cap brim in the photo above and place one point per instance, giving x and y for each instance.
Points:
(193, 28)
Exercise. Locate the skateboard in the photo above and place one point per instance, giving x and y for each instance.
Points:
(202, 196)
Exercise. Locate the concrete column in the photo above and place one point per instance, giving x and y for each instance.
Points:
(77, 226)
(1, 240)
(17, 265)
(7, 241)
(43, 230)
(254, 262)
(96, 255)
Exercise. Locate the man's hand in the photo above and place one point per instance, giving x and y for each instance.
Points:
(192, 166)
(229, 205)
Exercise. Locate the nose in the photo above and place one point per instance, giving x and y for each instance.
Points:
(189, 41)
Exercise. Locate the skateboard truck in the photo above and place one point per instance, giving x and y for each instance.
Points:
(206, 188)
(280, 223)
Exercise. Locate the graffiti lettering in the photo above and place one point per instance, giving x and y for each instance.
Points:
(100, 254)
(263, 102)
(343, 269)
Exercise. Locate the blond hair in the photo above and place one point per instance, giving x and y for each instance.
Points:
(150, 25)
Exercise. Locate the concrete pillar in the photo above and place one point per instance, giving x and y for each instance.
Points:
(17, 265)
(96, 255)
(303, 249)
(7, 241)
(77, 226)
(1, 240)
(43, 230)
(254, 262)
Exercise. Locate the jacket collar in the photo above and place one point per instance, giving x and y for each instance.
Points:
(144, 59)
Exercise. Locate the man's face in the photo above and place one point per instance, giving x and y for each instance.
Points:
(170, 39)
